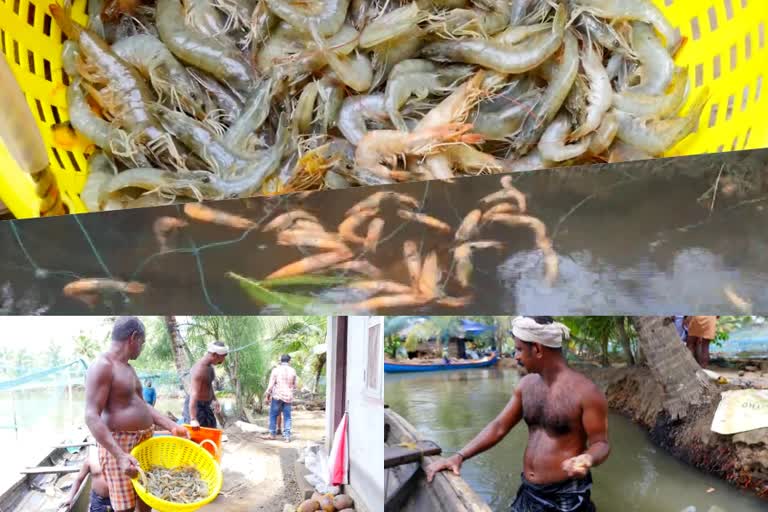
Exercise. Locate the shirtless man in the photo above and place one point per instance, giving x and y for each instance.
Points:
(201, 395)
(117, 415)
(567, 418)
(99, 499)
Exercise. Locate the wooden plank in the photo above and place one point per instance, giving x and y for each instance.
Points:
(398, 455)
(41, 470)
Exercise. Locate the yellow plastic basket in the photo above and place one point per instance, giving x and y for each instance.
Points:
(173, 452)
(725, 50)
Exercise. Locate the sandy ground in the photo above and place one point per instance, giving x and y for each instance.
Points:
(259, 474)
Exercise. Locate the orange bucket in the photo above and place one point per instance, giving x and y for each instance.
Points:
(208, 438)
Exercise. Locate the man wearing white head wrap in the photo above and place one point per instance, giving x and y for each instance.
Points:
(567, 418)
(201, 406)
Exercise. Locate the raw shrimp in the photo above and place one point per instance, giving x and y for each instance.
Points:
(163, 227)
(468, 158)
(606, 35)
(560, 83)
(392, 25)
(648, 106)
(456, 107)
(100, 170)
(202, 16)
(70, 53)
(316, 239)
(250, 177)
(388, 54)
(552, 144)
(386, 302)
(229, 104)
(375, 200)
(166, 74)
(90, 290)
(285, 220)
(202, 213)
(385, 145)
(425, 219)
(468, 226)
(200, 139)
(517, 33)
(412, 260)
(355, 72)
(506, 194)
(639, 10)
(533, 161)
(96, 129)
(311, 264)
(600, 94)
(125, 94)
(354, 112)
(489, 18)
(352, 222)
(401, 87)
(603, 137)
(462, 256)
(254, 114)
(657, 67)
(517, 58)
(655, 137)
(331, 95)
(375, 229)
(429, 278)
(438, 166)
(183, 183)
(304, 113)
(535, 225)
(501, 208)
(327, 15)
(223, 61)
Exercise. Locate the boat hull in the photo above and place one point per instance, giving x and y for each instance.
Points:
(407, 487)
(408, 368)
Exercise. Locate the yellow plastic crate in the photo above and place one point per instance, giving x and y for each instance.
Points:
(725, 50)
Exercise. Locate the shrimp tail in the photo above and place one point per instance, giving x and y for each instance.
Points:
(134, 287)
(70, 28)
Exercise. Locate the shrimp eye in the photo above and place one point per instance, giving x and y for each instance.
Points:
(206, 179)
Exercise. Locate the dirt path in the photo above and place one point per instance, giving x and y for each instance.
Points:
(259, 474)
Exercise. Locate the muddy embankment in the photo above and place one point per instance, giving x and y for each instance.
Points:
(741, 459)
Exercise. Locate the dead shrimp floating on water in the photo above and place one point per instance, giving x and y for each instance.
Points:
(180, 97)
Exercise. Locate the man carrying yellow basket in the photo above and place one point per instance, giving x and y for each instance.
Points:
(117, 415)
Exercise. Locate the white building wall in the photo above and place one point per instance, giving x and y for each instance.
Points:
(365, 404)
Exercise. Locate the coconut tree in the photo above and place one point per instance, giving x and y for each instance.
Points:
(672, 365)
(182, 358)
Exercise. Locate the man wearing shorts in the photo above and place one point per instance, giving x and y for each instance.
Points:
(99, 498)
(567, 418)
(701, 331)
(201, 406)
(117, 415)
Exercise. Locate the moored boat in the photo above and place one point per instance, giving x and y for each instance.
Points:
(406, 486)
(416, 366)
(46, 485)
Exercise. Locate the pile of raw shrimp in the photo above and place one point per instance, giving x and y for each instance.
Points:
(215, 99)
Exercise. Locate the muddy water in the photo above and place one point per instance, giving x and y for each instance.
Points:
(631, 238)
(452, 407)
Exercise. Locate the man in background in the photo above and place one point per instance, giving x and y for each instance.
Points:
(701, 332)
(567, 418)
(117, 415)
(99, 498)
(282, 384)
(201, 406)
(150, 395)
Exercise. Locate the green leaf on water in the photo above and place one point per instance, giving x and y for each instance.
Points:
(305, 280)
(289, 301)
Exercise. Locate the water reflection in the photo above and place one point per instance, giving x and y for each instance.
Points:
(452, 407)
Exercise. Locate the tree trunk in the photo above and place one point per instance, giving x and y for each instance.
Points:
(181, 354)
(624, 340)
(604, 362)
(232, 367)
(319, 365)
(672, 366)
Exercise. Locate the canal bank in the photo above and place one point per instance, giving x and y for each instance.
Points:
(450, 408)
(740, 459)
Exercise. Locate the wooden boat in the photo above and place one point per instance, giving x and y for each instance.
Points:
(406, 487)
(415, 366)
(45, 486)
